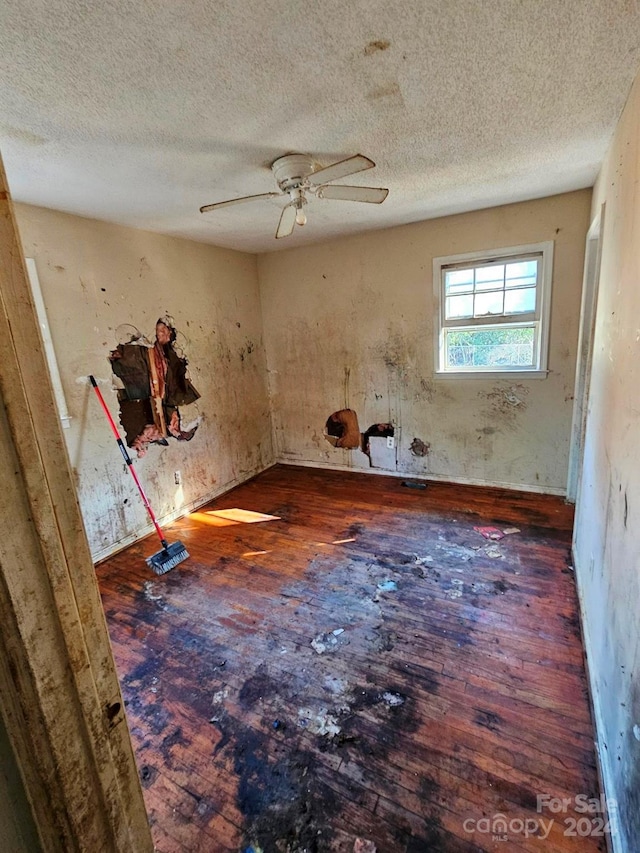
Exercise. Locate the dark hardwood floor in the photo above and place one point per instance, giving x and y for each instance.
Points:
(367, 667)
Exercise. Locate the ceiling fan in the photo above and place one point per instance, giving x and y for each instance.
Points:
(297, 177)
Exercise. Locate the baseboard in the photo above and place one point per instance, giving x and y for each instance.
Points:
(141, 533)
(441, 478)
(613, 838)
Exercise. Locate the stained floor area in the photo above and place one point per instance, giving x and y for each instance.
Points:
(368, 672)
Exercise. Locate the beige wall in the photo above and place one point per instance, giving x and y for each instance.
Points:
(95, 277)
(608, 505)
(350, 323)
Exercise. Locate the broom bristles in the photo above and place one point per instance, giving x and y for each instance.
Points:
(169, 557)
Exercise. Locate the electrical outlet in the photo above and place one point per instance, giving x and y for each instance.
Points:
(177, 478)
(390, 442)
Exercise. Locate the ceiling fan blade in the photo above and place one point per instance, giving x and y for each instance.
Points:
(287, 222)
(373, 195)
(350, 166)
(229, 202)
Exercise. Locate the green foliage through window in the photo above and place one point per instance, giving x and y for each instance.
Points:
(490, 347)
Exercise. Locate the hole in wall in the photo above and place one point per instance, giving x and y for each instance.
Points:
(342, 430)
(380, 459)
(153, 382)
(419, 447)
(378, 431)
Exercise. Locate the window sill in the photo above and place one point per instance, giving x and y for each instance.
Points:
(491, 374)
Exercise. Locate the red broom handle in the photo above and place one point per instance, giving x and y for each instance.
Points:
(129, 462)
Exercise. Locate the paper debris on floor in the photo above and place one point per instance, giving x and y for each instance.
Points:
(489, 532)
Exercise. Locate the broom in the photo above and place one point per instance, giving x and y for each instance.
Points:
(170, 555)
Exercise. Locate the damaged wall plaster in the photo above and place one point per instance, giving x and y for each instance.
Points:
(374, 444)
(608, 500)
(95, 277)
(418, 447)
(377, 442)
(153, 381)
(510, 432)
(342, 431)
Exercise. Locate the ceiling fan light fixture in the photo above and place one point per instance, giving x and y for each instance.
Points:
(296, 175)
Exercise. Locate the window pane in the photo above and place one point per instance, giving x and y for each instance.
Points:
(457, 281)
(489, 348)
(489, 303)
(459, 306)
(522, 269)
(493, 273)
(520, 301)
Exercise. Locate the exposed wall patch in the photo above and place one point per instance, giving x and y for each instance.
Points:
(419, 447)
(342, 430)
(153, 383)
(378, 430)
(378, 443)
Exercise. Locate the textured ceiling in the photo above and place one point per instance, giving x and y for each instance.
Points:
(141, 111)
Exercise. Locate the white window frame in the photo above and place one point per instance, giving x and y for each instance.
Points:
(541, 316)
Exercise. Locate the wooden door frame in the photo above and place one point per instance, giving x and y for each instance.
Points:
(588, 308)
(59, 692)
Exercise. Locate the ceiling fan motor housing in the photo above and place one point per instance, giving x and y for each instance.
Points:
(292, 170)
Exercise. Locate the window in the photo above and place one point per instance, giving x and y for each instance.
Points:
(493, 311)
